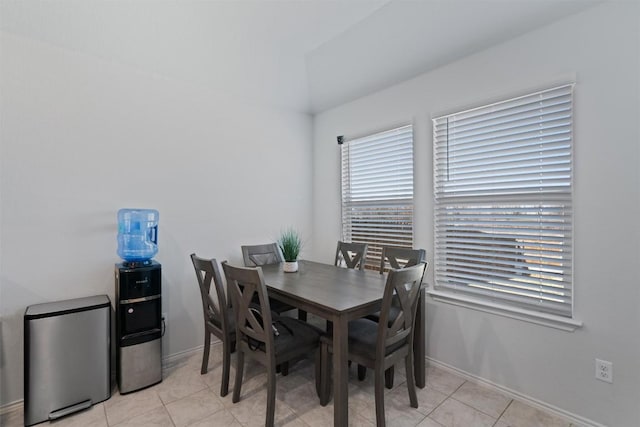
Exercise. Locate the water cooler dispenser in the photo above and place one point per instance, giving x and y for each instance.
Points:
(138, 290)
(138, 325)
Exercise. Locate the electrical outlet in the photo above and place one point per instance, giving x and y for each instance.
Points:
(604, 370)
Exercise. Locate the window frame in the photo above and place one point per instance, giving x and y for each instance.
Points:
(484, 301)
(400, 209)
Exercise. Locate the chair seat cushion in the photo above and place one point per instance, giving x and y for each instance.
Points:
(279, 306)
(393, 314)
(292, 334)
(276, 306)
(363, 335)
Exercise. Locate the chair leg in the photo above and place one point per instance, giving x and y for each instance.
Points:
(205, 355)
(271, 396)
(325, 374)
(239, 372)
(226, 363)
(318, 373)
(388, 378)
(362, 372)
(411, 381)
(379, 393)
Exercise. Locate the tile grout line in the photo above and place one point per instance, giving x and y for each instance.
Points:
(444, 400)
(138, 415)
(476, 409)
(502, 413)
(458, 388)
(104, 410)
(169, 414)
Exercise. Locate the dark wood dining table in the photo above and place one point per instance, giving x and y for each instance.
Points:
(340, 295)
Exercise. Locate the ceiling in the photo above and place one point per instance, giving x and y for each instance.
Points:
(305, 55)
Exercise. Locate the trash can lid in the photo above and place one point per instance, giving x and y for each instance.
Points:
(57, 308)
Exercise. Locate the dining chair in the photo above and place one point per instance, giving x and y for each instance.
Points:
(353, 255)
(380, 345)
(271, 341)
(400, 257)
(218, 316)
(269, 253)
(256, 255)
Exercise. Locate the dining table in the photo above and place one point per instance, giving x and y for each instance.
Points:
(339, 295)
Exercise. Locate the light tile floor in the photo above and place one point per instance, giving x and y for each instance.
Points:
(186, 398)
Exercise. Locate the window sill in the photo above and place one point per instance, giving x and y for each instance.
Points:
(550, 320)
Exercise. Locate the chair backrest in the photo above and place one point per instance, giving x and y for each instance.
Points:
(403, 286)
(253, 318)
(256, 255)
(353, 255)
(398, 257)
(214, 306)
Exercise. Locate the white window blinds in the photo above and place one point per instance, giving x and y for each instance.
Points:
(503, 201)
(377, 191)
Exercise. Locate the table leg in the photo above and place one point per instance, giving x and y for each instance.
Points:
(419, 342)
(340, 373)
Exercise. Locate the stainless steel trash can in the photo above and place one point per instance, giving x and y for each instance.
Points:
(66, 357)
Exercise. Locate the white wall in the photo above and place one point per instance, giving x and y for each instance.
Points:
(83, 137)
(600, 49)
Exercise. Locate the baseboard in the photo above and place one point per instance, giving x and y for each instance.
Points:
(10, 407)
(573, 418)
(175, 357)
(168, 360)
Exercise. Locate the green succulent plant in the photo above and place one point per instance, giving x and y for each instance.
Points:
(290, 244)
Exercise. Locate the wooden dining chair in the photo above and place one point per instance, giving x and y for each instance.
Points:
(353, 255)
(218, 316)
(269, 253)
(256, 337)
(256, 255)
(400, 257)
(380, 345)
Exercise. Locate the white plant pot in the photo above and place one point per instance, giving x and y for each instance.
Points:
(290, 267)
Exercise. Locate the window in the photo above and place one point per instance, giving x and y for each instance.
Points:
(377, 191)
(503, 202)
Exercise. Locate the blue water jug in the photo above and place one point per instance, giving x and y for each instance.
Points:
(137, 234)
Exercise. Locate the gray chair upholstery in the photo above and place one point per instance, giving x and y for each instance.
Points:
(255, 337)
(352, 255)
(380, 345)
(218, 316)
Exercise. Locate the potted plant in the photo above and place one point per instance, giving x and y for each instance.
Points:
(290, 245)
